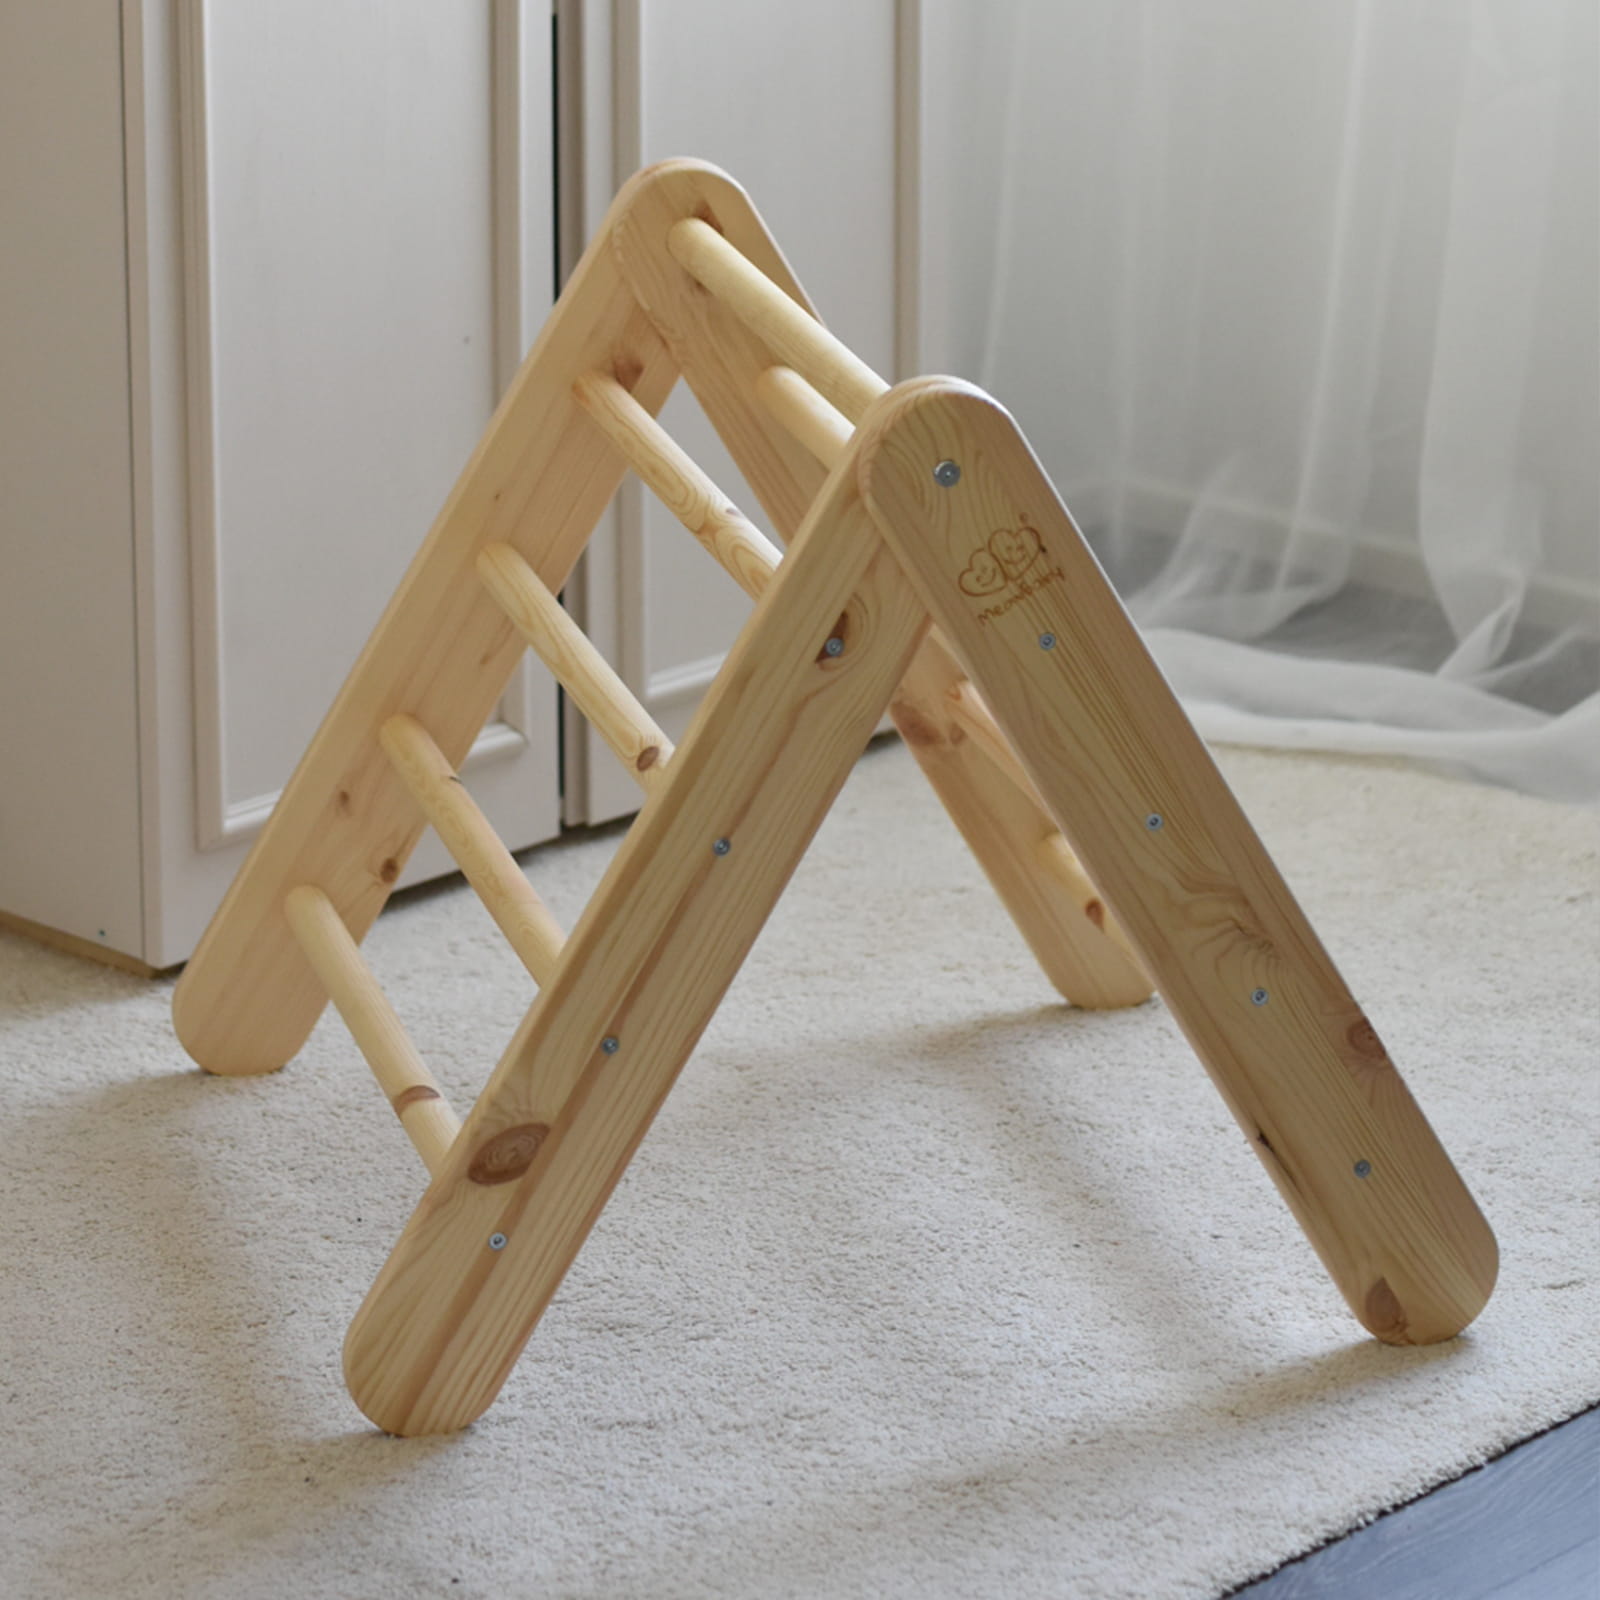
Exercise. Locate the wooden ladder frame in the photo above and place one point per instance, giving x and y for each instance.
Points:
(932, 570)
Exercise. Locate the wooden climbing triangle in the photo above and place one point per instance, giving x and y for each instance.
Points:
(930, 570)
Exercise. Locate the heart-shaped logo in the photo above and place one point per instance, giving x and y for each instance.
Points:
(984, 575)
(1016, 549)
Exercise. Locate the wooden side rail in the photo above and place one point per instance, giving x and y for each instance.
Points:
(932, 572)
(442, 652)
(938, 680)
(581, 670)
(825, 432)
(1132, 785)
(726, 341)
(410, 1087)
(680, 904)
(967, 707)
(485, 862)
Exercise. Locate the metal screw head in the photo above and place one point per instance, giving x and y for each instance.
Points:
(834, 647)
(610, 1044)
(1258, 997)
(1047, 641)
(1363, 1169)
(721, 847)
(497, 1241)
(1155, 822)
(947, 474)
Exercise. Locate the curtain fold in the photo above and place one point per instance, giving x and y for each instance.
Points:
(1299, 306)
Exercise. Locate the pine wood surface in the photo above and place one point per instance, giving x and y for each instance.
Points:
(580, 669)
(487, 865)
(1072, 932)
(650, 958)
(411, 1090)
(730, 370)
(681, 484)
(947, 599)
(1004, 573)
(443, 653)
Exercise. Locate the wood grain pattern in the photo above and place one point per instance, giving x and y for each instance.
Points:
(727, 366)
(792, 403)
(1072, 932)
(478, 850)
(682, 485)
(781, 323)
(580, 669)
(1008, 578)
(412, 1090)
(644, 969)
(443, 653)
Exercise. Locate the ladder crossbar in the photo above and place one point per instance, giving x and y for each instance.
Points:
(336, 959)
(784, 326)
(681, 484)
(487, 864)
(819, 425)
(583, 672)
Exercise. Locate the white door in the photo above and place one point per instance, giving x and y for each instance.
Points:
(357, 214)
(806, 109)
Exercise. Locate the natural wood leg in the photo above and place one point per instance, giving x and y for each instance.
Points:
(1006, 575)
(967, 759)
(638, 979)
(443, 653)
(731, 370)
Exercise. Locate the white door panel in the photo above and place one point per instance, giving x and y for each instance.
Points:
(360, 223)
(804, 115)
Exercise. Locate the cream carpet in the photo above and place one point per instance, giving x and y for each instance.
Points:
(921, 1285)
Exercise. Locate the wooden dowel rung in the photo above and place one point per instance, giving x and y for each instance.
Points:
(582, 671)
(336, 960)
(680, 482)
(822, 428)
(783, 325)
(479, 851)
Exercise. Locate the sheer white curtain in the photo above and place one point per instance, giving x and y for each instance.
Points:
(1299, 301)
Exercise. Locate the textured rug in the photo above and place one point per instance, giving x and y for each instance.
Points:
(921, 1285)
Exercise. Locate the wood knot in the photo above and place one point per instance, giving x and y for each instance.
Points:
(647, 757)
(508, 1154)
(916, 727)
(1364, 1040)
(1096, 913)
(390, 870)
(342, 803)
(1384, 1315)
